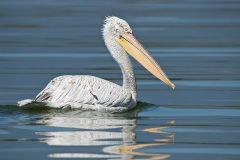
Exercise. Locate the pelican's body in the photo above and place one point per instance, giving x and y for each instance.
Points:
(89, 92)
(86, 92)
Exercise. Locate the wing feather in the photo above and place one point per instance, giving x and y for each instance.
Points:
(84, 90)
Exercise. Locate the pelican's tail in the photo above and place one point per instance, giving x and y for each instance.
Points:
(24, 102)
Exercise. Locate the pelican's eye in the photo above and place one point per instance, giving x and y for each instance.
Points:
(117, 28)
(126, 29)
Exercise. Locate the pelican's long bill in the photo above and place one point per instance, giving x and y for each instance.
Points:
(133, 47)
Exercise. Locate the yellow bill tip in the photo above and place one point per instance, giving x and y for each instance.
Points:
(173, 86)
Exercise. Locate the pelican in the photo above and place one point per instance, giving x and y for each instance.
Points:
(93, 93)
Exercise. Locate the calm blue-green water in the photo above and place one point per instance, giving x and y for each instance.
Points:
(197, 43)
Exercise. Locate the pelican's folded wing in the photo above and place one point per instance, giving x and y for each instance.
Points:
(84, 90)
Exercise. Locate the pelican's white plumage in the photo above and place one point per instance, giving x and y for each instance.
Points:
(89, 92)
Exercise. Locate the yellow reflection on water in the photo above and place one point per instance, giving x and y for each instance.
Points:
(169, 137)
(131, 149)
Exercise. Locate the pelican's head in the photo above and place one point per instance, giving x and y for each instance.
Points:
(116, 26)
(118, 30)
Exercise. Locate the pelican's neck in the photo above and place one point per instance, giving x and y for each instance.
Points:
(124, 62)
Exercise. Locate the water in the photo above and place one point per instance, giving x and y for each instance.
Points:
(195, 42)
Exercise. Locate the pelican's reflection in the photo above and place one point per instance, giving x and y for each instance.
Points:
(89, 131)
(113, 134)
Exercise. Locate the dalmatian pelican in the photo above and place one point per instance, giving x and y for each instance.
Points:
(93, 93)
